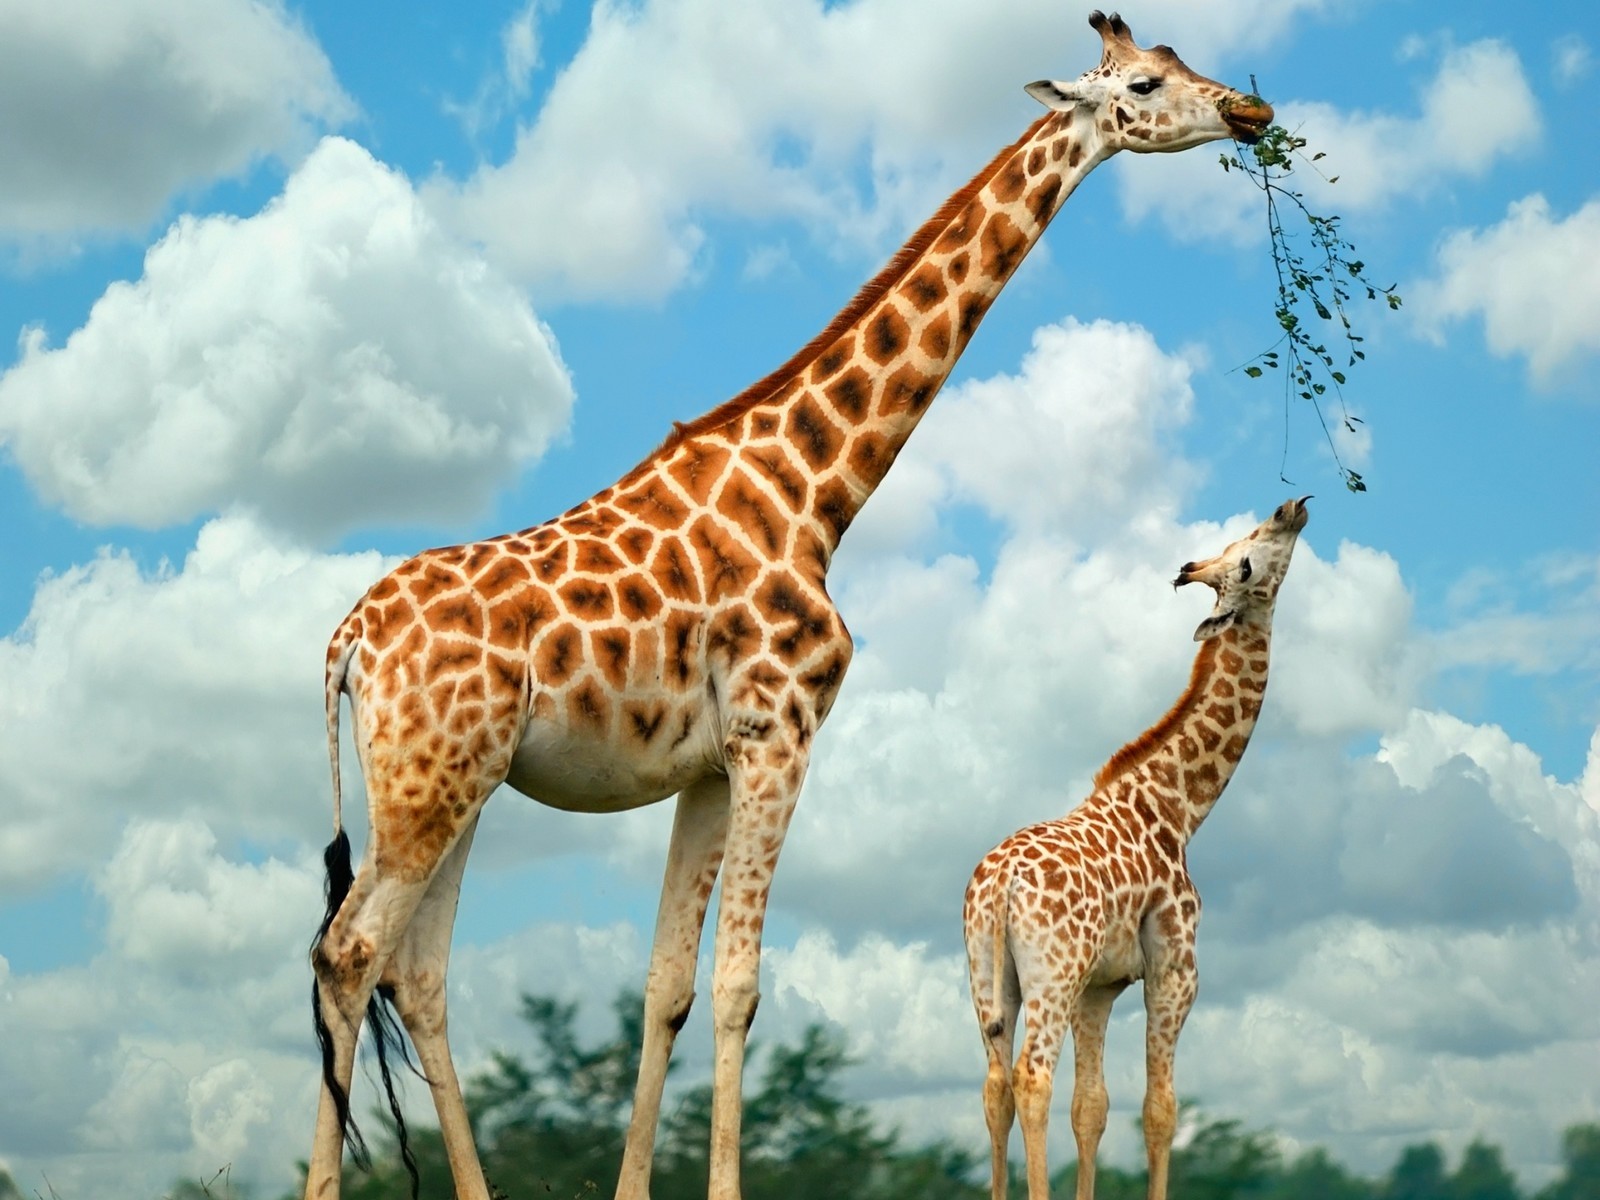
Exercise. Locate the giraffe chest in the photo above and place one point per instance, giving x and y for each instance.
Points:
(634, 760)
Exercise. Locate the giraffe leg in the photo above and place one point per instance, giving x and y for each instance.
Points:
(766, 767)
(327, 1145)
(417, 973)
(999, 1106)
(699, 828)
(991, 975)
(361, 939)
(1168, 996)
(1033, 1079)
(1089, 1101)
(348, 961)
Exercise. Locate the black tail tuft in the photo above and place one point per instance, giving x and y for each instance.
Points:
(336, 862)
(380, 1017)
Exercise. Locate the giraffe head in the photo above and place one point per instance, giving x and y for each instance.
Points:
(1147, 100)
(1246, 576)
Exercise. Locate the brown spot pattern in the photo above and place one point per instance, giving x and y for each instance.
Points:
(749, 508)
(812, 433)
(850, 394)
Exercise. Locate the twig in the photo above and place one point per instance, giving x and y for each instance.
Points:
(1326, 286)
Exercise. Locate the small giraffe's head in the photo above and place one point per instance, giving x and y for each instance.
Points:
(1246, 576)
(1147, 100)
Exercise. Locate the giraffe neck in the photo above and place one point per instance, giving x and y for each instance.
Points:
(824, 428)
(1189, 755)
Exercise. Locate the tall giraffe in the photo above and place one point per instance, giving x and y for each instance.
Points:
(673, 635)
(1062, 916)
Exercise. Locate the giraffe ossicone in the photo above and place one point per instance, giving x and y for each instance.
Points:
(1062, 916)
(673, 634)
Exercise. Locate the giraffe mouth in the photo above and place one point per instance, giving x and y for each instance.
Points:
(1246, 117)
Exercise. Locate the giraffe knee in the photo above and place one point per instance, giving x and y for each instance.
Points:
(343, 972)
(417, 995)
(998, 1096)
(1032, 1082)
(668, 997)
(1160, 1117)
(1090, 1105)
(734, 1006)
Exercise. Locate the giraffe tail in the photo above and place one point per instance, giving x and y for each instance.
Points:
(999, 935)
(339, 655)
(1002, 915)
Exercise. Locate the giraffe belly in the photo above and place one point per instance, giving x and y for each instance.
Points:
(566, 769)
(1121, 961)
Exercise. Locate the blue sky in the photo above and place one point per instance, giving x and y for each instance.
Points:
(298, 290)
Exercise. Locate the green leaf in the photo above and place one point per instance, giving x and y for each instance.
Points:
(1253, 372)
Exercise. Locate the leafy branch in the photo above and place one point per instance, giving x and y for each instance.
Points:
(1322, 277)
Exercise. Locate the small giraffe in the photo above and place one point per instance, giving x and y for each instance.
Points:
(674, 635)
(1062, 916)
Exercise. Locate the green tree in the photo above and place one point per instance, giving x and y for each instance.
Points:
(801, 1137)
(1110, 1183)
(1418, 1175)
(1482, 1175)
(1580, 1180)
(1223, 1161)
(1315, 1176)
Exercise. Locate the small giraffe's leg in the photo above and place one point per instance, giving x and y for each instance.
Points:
(1168, 996)
(999, 1105)
(1034, 1077)
(1089, 1101)
(698, 830)
(417, 973)
(766, 766)
(992, 977)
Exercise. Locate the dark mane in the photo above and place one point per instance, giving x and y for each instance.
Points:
(871, 292)
(1135, 751)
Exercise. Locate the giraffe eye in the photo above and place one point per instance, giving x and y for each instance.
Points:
(1143, 87)
(1245, 571)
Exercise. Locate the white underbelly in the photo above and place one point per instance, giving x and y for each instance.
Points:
(564, 769)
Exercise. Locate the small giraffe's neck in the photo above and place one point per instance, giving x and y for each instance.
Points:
(1191, 753)
(825, 427)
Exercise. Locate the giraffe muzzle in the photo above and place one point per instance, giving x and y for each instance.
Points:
(1247, 117)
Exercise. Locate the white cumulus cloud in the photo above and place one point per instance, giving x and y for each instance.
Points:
(1530, 279)
(333, 360)
(107, 110)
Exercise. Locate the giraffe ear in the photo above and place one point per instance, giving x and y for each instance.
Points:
(1213, 625)
(1064, 97)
